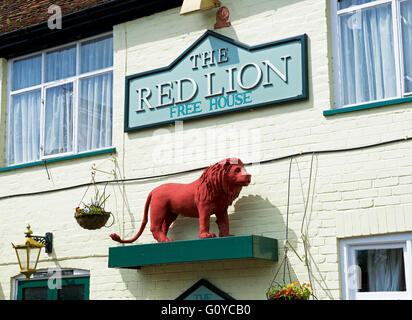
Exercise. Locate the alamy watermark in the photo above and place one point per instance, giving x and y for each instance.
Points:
(354, 21)
(55, 20)
(354, 277)
(195, 146)
(54, 279)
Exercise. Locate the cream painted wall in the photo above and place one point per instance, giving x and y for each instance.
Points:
(354, 193)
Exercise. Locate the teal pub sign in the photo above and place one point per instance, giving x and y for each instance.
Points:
(216, 75)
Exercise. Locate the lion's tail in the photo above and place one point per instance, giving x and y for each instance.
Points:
(116, 237)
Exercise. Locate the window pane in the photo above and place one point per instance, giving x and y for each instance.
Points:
(59, 120)
(23, 128)
(367, 56)
(406, 22)
(349, 3)
(71, 292)
(61, 64)
(96, 54)
(382, 270)
(39, 293)
(26, 72)
(95, 112)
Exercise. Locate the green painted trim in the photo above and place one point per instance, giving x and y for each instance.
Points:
(238, 247)
(71, 157)
(367, 106)
(52, 294)
(33, 284)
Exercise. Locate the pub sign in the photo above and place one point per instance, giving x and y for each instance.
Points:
(215, 75)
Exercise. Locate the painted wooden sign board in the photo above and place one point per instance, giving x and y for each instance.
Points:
(204, 290)
(215, 75)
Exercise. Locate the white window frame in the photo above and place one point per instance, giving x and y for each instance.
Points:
(336, 49)
(348, 265)
(45, 85)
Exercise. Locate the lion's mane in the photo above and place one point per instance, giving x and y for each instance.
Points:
(213, 182)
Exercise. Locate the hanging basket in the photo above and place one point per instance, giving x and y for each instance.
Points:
(291, 291)
(92, 221)
(93, 215)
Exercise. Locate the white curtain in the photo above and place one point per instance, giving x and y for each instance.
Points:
(96, 54)
(406, 23)
(26, 73)
(59, 120)
(385, 270)
(61, 64)
(95, 112)
(367, 55)
(23, 128)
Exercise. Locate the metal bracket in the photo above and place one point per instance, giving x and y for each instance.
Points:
(287, 244)
(94, 168)
(46, 240)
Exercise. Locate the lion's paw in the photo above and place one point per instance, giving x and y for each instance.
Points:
(206, 235)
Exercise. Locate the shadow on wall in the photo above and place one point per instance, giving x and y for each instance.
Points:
(256, 215)
(261, 217)
(252, 215)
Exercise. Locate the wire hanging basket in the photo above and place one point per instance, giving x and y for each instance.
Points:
(93, 221)
(92, 216)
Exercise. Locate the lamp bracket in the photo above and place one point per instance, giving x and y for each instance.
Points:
(46, 240)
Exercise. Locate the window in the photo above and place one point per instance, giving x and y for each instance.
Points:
(72, 285)
(60, 101)
(372, 50)
(377, 267)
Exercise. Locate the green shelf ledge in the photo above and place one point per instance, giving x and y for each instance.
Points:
(237, 247)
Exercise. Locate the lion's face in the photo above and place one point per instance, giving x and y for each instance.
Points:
(227, 176)
(238, 175)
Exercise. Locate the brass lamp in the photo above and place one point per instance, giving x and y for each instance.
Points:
(28, 254)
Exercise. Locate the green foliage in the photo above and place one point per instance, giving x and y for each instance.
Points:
(96, 205)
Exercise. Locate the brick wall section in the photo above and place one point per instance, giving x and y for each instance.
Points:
(18, 14)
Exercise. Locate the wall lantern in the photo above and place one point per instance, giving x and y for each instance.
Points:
(28, 254)
(194, 6)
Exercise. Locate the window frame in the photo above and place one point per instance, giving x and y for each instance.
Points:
(336, 51)
(43, 86)
(348, 248)
(39, 280)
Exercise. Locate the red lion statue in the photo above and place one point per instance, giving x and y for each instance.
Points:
(215, 190)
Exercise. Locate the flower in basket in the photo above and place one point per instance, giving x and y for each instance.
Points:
(293, 291)
(96, 206)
